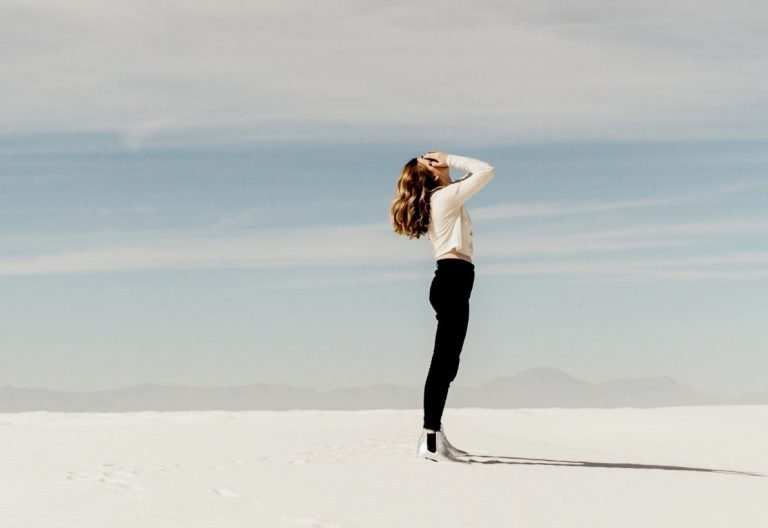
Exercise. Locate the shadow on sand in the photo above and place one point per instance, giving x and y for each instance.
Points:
(494, 459)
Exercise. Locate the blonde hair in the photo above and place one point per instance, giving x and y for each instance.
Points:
(409, 209)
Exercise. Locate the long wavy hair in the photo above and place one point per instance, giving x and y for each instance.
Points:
(409, 209)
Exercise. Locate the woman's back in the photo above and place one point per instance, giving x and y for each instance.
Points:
(450, 226)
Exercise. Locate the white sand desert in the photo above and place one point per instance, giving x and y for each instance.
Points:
(657, 467)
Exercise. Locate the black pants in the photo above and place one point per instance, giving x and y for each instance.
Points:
(449, 296)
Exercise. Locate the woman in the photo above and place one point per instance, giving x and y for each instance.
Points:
(428, 201)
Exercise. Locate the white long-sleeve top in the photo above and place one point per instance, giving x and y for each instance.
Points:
(450, 226)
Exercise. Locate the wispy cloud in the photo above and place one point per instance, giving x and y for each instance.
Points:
(266, 248)
(686, 268)
(136, 209)
(363, 249)
(348, 247)
(135, 136)
(702, 228)
(531, 210)
(152, 71)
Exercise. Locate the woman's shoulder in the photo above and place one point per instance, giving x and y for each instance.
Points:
(436, 193)
(442, 193)
(442, 202)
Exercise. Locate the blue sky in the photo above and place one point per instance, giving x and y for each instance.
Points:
(197, 194)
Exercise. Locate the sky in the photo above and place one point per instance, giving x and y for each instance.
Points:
(196, 193)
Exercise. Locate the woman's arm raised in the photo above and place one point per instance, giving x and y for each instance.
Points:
(480, 173)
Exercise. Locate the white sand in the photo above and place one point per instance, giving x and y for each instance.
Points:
(358, 469)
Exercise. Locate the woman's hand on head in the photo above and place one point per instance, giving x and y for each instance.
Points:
(436, 158)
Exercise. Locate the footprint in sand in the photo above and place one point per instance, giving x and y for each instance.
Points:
(232, 462)
(302, 457)
(311, 523)
(226, 493)
(110, 474)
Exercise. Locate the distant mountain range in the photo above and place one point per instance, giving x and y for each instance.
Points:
(538, 387)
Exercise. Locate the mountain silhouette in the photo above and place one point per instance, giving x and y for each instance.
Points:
(536, 387)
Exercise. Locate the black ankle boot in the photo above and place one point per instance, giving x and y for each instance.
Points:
(432, 442)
